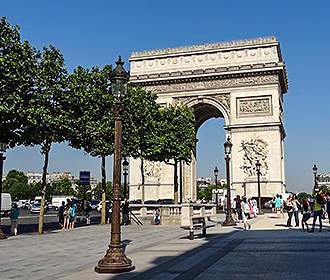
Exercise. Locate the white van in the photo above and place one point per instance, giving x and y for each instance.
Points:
(57, 200)
(5, 204)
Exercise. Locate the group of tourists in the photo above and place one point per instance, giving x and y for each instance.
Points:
(67, 214)
(243, 209)
(317, 208)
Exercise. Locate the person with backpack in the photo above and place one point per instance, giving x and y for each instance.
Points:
(73, 214)
(60, 215)
(296, 207)
(14, 214)
(318, 211)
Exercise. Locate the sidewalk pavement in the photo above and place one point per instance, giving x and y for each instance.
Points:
(268, 251)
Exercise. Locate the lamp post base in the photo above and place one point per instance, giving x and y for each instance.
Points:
(2, 235)
(229, 222)
(114, 261)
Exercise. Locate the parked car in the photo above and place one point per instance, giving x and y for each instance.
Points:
(135, 201)
(23, 204)
(94, 203)
(6, 203)
(35, 208)
(150, 202)
(165, 201)
(268, 204)
(99, 206)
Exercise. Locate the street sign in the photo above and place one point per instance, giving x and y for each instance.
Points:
(84, 178)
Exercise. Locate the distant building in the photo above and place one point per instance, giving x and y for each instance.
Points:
(203, 182)
(323, 179)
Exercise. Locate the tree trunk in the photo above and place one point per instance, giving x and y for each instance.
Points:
(104, 185)
(176, 185)
(142, 180)
(44, 150)
(181, 183)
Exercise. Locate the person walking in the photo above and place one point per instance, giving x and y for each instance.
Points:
(125, 212)
(239, 208)
(60, 215)
(306, 214)
(289, 208)
(318, 203)
(328, 207)
(14, 214)
(296, 206)
(73, 214)
(66, 214)
(245, 212)
(278, 205)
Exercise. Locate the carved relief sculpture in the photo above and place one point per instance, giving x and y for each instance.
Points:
(254, 150)
(152, 170)
(253, 106)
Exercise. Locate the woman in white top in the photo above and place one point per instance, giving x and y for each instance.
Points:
(245, 213)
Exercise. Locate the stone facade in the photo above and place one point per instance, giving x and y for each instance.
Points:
(240, 81)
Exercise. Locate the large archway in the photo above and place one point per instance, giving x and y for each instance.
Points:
(241, 81)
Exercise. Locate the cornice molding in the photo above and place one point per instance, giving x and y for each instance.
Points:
(206, 47)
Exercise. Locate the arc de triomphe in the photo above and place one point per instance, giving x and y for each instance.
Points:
(240, 81)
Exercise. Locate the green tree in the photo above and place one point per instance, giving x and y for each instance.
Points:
(89, 111)
(98, 191)
(62, 187)
(140, 116)
(46, 121)
(176, 138)
(16, 184)
(17, 79)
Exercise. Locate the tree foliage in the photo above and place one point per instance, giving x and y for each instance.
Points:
(17, 78)
(16, 183)
(61, 187)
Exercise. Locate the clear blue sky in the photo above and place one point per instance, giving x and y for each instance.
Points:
(96, 32)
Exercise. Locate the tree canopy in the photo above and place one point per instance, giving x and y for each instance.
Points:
(17, 79)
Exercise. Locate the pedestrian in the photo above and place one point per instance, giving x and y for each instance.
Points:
(14, 214)
(245, 212)
(289, 209)
(296, 207)
(73, 214)
(239, 208)
(318, 203)
(255, 209)
(282, 207)
(60, 215)
(306, 214)
(225, 204)
(157, 217)
(125, 212)
(278, 205)
(328, 206)
(66, 214)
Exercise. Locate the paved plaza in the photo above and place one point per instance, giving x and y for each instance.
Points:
(268, 251)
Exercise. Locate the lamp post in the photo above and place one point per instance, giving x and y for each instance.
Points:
(229, 219)
(258, 166)
(3, 147)
(216, 173)
(115, 260)
(125, 173)
(315, 176)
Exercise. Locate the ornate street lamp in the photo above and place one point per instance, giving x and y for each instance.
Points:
(115, 259)
(258, 166)
(315, 176)
(125, 173)
(229, 219)
(216, 173)
(3, 147)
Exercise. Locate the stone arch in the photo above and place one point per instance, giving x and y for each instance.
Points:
(212, 104)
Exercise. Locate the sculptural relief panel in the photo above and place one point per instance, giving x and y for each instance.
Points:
(253, 150)
(254, 106)
(152, 171)
(213, 84)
